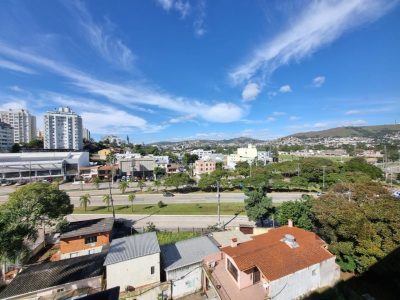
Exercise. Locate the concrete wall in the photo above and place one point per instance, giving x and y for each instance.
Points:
(187, 280)
(134, 272)
(93, 283)
(304, 281)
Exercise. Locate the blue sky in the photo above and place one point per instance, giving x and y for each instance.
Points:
(178, 69)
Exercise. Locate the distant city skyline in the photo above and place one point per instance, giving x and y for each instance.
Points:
(175, 70)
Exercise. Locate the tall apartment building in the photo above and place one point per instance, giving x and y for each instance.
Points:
(23, 123)
(6, 136)
(63, 129)
(86, 134)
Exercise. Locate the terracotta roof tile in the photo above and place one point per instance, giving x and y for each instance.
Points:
(275, 258)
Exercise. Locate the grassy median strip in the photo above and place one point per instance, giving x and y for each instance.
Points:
(167, 209)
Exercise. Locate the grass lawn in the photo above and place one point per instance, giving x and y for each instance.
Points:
(173, 237)
(170, 209)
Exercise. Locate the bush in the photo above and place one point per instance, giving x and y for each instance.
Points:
(161, 204)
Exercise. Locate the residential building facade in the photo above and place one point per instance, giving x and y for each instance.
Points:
(203, 167)
(85, 237)
(86, 134)
(63, 130)
(6, 136)
(22, 122)
(133, 261)
(201, 153)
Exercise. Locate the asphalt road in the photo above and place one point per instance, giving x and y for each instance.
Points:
(119, 199)
(170, 222)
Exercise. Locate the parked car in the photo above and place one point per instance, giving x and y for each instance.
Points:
(168, 194)
(396, 194)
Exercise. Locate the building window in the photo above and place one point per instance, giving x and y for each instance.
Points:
(314, 272)
(90, 239)
(152, 269)
(232, 270)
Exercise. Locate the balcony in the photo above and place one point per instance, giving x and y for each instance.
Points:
(222, 283)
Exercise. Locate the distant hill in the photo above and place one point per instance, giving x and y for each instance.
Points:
(238, 140)
(376, 131)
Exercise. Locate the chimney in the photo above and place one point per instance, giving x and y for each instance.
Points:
(234, 242)
(290, 223)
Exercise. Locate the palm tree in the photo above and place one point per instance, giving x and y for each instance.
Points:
(141, 184)
(157, 184)
(123, 185)
(84, 201)
(96, 182)
(107, 200)
(131, 198)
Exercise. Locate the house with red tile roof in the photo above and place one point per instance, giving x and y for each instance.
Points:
(284, 263)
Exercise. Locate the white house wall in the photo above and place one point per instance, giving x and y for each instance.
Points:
(189, 284)
(135, 272)
(304, 281)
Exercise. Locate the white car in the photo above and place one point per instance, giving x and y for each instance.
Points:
(396, 194)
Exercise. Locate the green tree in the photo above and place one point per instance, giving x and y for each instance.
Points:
(157, 184)
(178, 179)
(123, 185)
(243, 168)
(84, 200)
(96, 182)
(107, 201)
(258, 206)
(299, 211)
(360, 164)
(206, 182)
(141, 184)
(131, 198)
(29, 208)
(158, 171)
(189, 158)
(15, 148)
(361, 223)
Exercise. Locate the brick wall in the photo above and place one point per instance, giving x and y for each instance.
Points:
(78, 243)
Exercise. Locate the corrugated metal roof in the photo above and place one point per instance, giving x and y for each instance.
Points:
(87, 227)
(131, 247)
(186, 252)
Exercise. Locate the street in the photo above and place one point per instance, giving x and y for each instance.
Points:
(170, 222)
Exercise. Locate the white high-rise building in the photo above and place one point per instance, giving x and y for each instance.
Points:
(86, 134)
(23, 123)
(63, 130)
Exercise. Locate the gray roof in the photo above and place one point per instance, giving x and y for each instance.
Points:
(87, 227)
(223, 238)
(187, 252)
(131, 247)
(49, 274)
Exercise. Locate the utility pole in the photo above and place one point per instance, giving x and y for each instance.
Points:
(111, 199)
(219, 204)
(323, 177)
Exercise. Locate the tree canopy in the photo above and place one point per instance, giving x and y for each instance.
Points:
(258, 206)
(299, 211)
(27, 209)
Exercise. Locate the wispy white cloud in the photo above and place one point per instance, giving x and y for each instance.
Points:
(317, 24)
(250, 91)
(368, 111)
(13, 104)
(102, 37)
(183, 7)
(285, 89)
(16, 88)
(353, 123)
(6, 64)
(294, 118)
(182, 119)
(128, 94)
(278, 113)
(198, 24)
(271, 119)
(318, 81)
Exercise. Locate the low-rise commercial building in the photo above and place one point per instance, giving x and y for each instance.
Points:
(203, 167)
(42, 165)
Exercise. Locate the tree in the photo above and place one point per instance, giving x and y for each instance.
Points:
(361, 223)
(96, 182)
(243, 168)
(15, 148)
(158, 171)
(123, 185)
(189, 158)
(141, 184)
(258, 206)
(131, 198)
(107, 201)
(298, 211)
(360, 164)
(29, 208)
(84, 200)
(157, 184)
(177, 180)
(206, 182)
